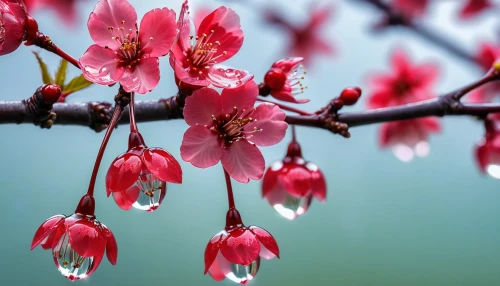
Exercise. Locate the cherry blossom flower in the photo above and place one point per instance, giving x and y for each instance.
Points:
(227, 128)
(473, 8)
(196, 58)
(306, 40)
(78, 241)
(122, 52)
(138, 178)
(411, 8)
(487, 55)
(407, 83)
(65, 9)
(283, 80)
(487, 148)
(13, 21)
(290, 184)
(235, 252)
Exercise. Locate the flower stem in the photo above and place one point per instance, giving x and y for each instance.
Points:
(294, 137)
(131, 111)
(286, 107)
(112, 124)
(44, 42)
(230, 197)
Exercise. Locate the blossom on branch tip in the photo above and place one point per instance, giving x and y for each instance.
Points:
(122, 52)
(227, 128)
(289, 185)
(13, 25)
(138, 178)
(196, 58)
(78, 241)
(283, 80)
(235, 252)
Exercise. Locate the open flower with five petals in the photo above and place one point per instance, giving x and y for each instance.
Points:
(196, 58)
(227, 128)
(122, 52)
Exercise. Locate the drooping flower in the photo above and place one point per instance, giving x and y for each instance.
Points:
(407, 83)
(235, 252)
(138, 178)
(289, 185)
(409, 138)
(78, 241)
(487, 55)
(196, 58)
(472, 8)
(487, 148)
(306, 40)
(411, 8)
(122, 52)
(283, 80)
(227, 128)
(13, 25)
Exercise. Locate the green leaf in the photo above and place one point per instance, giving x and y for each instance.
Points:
(61, 73)
(47, 79)
(76, 84)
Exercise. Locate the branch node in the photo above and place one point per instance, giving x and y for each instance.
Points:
(40, 110)
(100, 115)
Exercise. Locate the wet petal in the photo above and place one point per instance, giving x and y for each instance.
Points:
(111, 247)
(269, 120)
(201, 147)
(271, 178)
(11, 32)
(242, 97)
(285, 94)
(125, 199)
(243, 161)
(267, 240)
(215, 270)
(101, 66)
(46, 229)
(163, 165)
(86, 239)
(201, 106)
(111, 18)
(212, 249)
(157, 32)
(318, 182)
(240, 247)
(226, 77)
(143, 77)
(123, 172)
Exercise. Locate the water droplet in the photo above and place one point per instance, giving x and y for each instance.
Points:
(493, 170)
(68, 262)
(293, 207)
(152, 192)
(240, 273)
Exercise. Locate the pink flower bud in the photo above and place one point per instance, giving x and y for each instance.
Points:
(13, 16)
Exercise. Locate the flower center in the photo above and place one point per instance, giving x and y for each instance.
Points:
(231, 127)
(130, 50)
(402, 87)
(204, 52)
(294, 80)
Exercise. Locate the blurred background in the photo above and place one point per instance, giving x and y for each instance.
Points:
(433, 221)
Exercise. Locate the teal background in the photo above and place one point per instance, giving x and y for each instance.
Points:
(434, 221)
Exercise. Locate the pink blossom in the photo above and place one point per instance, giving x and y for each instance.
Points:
(195, 59)
(65, 9)
(227, 128)
(283, 79)
(411, 8)
(487, 55)
(13, 16)
(473, 8)
(122, 52)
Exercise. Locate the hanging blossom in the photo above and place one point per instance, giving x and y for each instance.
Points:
(487, 148)
(78, 241)
(407, 83)
(306, 40)
(227, 128)
(14, 22)
(122, 52)
(411, 8)
(66, 10)
(289, 185)
(196, 58)
(473, 8)
(283, 80)
(487, 55)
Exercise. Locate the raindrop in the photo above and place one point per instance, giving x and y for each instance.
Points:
(68, 262)
(240, 273)
(152, 192)
(293, 207)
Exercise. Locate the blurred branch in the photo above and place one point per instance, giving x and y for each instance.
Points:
(395, 18)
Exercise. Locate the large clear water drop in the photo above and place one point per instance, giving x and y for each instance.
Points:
(293, 207)
(152, 192)
(240, 273)
(68, 262)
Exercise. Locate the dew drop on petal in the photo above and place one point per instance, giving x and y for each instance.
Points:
(240, 273)
(422, 149)
(152, 192)
(403, 152)
(293, 207)
(68, 262)
(493, 170)
(276, 165)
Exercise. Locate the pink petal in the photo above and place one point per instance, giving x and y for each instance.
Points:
(240, 247)
(201, 147)
(184, 27)
(120, 15)
(95, 263)
(182, 73)
(142, 77)
(242, 97)
(296, 181)
(225, 24)
(123, 173)
(225, 77)
(474, 7)
(86, 239)
(243, 161)
(11, 31)
(267, 240)
(271, 178)
(481, 152)
(269, 120)
(319, 16)
(212, 249)
(46, 229)
(286, 95)
(200, 14)
(157, 32)
(318, 182)
(215, 270)
(201, 106)
(163, 165)
(127, 198)
(101, 65)
(111, 247)
(400, 61)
